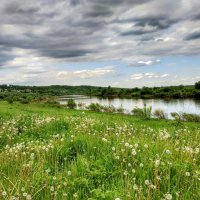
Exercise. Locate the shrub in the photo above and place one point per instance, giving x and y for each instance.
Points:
(95, 107)
(190, 117)
(138, 111)
(120, 110)
(24, 101)
(81, 105)
(159, 114)
(71, 104)
(147, 111)
(143, 112)
(9, 100)
(109, 109)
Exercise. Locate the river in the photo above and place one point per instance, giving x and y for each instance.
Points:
(168, 106)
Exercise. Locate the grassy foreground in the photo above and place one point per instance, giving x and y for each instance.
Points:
(51, 153)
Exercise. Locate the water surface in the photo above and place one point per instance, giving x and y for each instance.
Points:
(168, 106)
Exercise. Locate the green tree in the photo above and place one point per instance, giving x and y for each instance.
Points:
(197, 85)
(71, 104)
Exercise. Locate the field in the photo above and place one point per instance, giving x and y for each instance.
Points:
(54, 153)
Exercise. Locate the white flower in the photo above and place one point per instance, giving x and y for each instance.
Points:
(168, 196)
(113, 148)
(117, 198)
(4, 193)
(187, 173)
(147, 182)
(25, 194)
(157, 163)
(135, 187)
(126, 144)
(125, 173)
(134, 152)
(146, 146)
(28, 197)
(51, 188)
(141, 165)
(48, 170)
(168, 151)
(69, 173)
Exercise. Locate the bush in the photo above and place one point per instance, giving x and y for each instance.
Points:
(159, 114)
(81, 105)
(138, 111)
(147, 111)
(71, 104)
(95, 107)
(24, 101)
(143, 112)
(120, 110)
(190, 117)
(109, 109)
(9, 100)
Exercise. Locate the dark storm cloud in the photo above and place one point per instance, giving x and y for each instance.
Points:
(78, 30)
(159, 22)
(193, 36)
(15, 8)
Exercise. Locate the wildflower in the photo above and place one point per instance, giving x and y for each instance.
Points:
(113, 148)
(135, 187)
(146, 146)
(158, 178)
(75, 195)
(48, 170)
(126, 144)
(147, 182)
(134, 152)
(187, 173)
(25, 194)
(51, 188)
(4, 193)
(168, 196)
(168, 151)
(69, 173)
(22, 189)
(125, 173)
(28, 197)
(141, 165)
(136, 145)
(133, 171)
(117, 198)
(157, 163)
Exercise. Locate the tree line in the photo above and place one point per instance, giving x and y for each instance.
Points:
(25, 94)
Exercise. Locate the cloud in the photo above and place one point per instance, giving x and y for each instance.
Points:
(97, 72)
(137, 32)
(193, 36)
(148, 75)
(134, 62)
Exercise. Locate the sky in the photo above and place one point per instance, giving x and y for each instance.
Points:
(121, 43)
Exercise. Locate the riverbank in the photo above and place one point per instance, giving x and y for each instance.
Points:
(56, 153)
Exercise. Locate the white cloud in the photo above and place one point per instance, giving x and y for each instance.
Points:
(86, 73)
(148, 75)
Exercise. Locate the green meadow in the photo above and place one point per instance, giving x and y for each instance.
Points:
(51, 153)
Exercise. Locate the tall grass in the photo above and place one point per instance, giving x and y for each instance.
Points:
(51, 153)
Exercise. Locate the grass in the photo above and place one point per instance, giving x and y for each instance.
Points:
(55, 153)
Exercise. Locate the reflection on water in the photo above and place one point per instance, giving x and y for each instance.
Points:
(170, 105)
